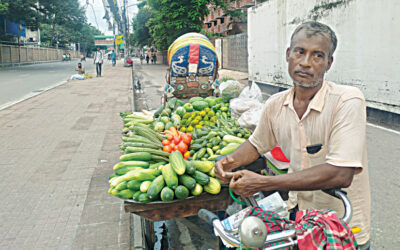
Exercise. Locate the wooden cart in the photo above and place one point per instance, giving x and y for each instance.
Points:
(179, 210)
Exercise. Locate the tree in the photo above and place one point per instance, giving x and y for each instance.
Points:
(175, 18)
(21, 10)
(141, 36)
(3, 8)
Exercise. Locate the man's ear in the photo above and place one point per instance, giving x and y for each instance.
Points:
(330, 61)
(287, 54)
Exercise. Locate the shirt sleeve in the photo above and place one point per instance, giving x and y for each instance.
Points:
(347, 139)
(263, 138)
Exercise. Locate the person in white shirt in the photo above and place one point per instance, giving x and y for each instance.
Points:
(98, 60)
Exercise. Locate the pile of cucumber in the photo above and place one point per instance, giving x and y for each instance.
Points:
(164, 181)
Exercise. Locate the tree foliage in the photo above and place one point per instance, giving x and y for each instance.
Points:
(141, 35)
(21, 10)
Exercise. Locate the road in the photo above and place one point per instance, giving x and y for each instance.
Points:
(21, 82)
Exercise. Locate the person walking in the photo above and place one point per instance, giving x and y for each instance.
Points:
(98, 60)
(113, 58)
(147, 58)
(154, 59)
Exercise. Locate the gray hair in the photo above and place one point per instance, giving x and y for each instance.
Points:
(313, 28)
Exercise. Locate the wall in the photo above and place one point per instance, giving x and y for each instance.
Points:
(367, 55)
(10, 54)
(232, 52)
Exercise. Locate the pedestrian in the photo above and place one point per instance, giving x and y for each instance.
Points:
(147, 58)
(80, 69)
(154, 58)
(141, 58)
(320, 126)
(98, 60)
(113, 58)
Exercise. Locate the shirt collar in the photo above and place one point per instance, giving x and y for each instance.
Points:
(317, 103)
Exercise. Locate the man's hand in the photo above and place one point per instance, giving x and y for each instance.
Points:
(223, 169)
(246, 183)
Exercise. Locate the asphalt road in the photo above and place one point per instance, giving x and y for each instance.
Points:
(21, 82)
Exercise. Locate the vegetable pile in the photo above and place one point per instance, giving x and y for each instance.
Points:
(172, 154)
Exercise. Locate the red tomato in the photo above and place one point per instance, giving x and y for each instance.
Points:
(165, 142)
(170, 137)
(190, 136)
(186, 139)
(175, 148)
(172, 144)
(177, 139)
(182, 147)
(167, 149)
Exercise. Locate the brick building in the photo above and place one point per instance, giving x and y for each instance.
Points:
(218, 22)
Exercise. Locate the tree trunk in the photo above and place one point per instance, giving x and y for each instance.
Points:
(53, 31)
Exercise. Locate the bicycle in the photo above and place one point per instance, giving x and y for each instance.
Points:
(252, 232)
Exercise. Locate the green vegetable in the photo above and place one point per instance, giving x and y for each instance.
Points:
(148, 151)
(213, 187)
(211, 100)
(180, 111)
(233, 139)
(229, 149)
(200, 105)
(125, 170)
(190, 168)
(194, 99)
(145, 186)
(203, 166)
(139, 156)
(201, 178)
(167, 194)
(188, 107)
(155, 187)
(156, 165)
(198, 189)
(187, 181)
(134, 185)
(144, 198)
(177, 162)
(170, 177)
(181, 192)
(125, 194)
(121, 186)
(136, 195)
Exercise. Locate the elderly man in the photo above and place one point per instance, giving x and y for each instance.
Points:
(320, 127)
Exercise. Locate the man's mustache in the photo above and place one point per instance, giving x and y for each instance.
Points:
(304, 72)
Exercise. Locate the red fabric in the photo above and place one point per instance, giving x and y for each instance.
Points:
(129, 61)
(278, 154)
(194, 53)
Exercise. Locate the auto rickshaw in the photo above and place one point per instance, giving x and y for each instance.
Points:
(193, 68)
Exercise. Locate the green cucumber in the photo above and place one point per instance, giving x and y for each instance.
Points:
(145, 186)
(144, 198)
(134, 185)
(190, 168)
(177, 162)
(201, 178)
(170, 177)
(155, 187)
(140, 156)
(136, 195)
(125, 194)
(167, 194)
(197, 190)
(187, 181)
(181, 192)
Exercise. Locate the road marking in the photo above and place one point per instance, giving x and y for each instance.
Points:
(30, 95)
(383, 128)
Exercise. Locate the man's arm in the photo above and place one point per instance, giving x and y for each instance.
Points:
(243, 155)
(323, 176)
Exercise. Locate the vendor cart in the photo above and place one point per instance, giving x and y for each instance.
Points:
(178, 209)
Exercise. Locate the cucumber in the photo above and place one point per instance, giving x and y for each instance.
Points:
(132, 175)
(143, 198)
(190, 168)
(125, 194)
(125, 170)
(112, 176)
(213, 186)
(147, 150)
(201, 178)
(136, 195)
(195, 147)
(229, 149)
(156, 165)
(187, 181)
(200, 153)
(197, 190)
(121, 186)
(140, 156)
(233, 139)
(134, 185)
(167, 194)
(177, 162)
(140, 144)
(155, 187)
(123, 164)
(159, 158)
(145, 186)
(203, 166)
(170, 177)
(181, 192)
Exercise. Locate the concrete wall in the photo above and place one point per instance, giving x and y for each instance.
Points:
(234, 52)
(367, 55)
(11, 54)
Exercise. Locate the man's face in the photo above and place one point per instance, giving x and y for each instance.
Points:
(308, 59)
(98, 49)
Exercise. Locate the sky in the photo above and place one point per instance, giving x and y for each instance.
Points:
(95, 13)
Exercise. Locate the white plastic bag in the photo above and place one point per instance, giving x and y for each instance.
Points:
(77, 77)
(230, 89)
(252, 92)
(250, 118)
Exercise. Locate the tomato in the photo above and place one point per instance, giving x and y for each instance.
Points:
(167, 149)
(170, 137)
(175, 148)
(172, 144)
(186, 139)
(177, 139)
(182, 147)
(165, 142)
(186, 154)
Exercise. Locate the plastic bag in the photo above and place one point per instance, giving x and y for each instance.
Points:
(240, 105)
(250, 118)
(252, 92)
(77, 77)
(230, 89)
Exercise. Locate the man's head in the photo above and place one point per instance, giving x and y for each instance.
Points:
(98, 48)
(310, 54)
(79, 65)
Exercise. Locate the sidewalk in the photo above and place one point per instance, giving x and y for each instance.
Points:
(57, 151)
